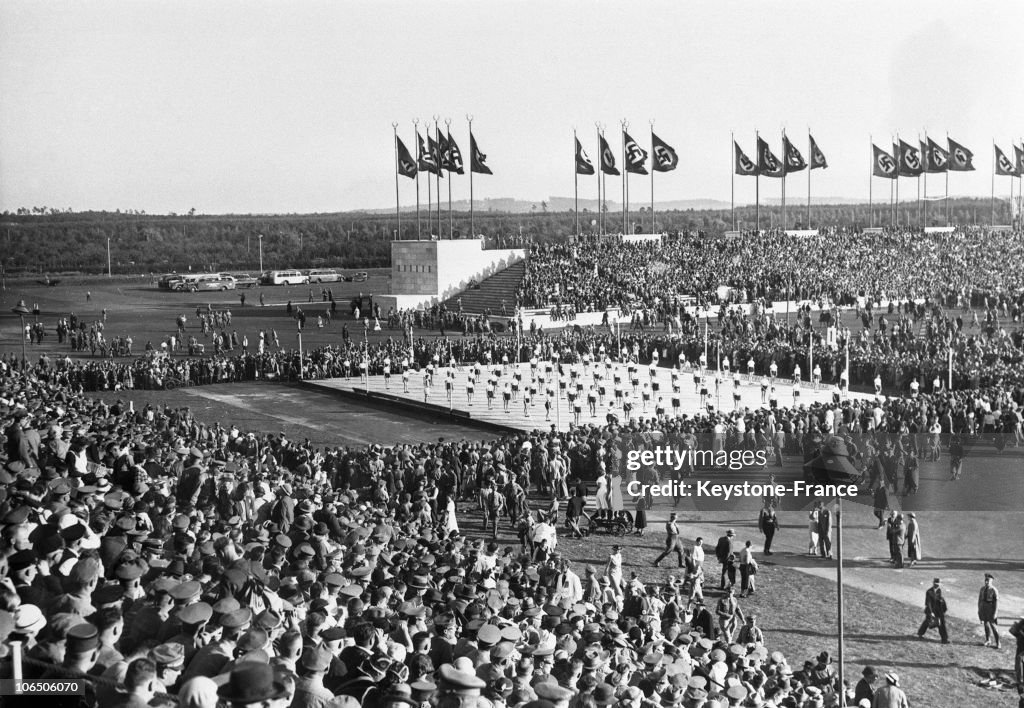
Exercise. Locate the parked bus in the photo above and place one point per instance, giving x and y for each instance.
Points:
(205, 281)
(324, 275)
(285, 277)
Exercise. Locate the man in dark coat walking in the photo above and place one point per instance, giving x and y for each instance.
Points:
(934, 612)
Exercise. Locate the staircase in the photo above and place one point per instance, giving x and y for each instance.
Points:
(500, 286)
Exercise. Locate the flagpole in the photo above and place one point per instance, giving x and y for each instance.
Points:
(947, 179)
(919, 219)
(448, 131)
(757, 183)
(871, 180)
(437, 177)
(732, 191)
(785, 169)
(600, 173)
(810, 169)
(604, 189)
(899, 159)
(625, 176)
(398, 208)
(472, 230)
(992, 219)
(927, 164)
(416, 127)
(653, 157)
(919, 198)
(575, 183)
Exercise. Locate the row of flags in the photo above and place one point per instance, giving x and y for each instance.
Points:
(929, 157)
(768, 165)
(908, 160)
(665, 158)
(440, 155)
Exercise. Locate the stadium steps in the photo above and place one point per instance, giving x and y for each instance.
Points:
(500, 286)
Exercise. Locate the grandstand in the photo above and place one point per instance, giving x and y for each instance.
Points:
(491, 292)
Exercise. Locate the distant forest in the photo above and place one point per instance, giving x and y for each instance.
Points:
(43, 240)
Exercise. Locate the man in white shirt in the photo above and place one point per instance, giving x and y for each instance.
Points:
(568, 585)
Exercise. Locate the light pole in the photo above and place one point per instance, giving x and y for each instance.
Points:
(298, 332)
(260, 237)
(110, 272)
(20, 310)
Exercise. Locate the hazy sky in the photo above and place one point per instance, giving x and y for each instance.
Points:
(287, 106)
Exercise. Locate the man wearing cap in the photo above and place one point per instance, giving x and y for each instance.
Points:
(80, 653)
(309, 688)
(934, 612)
(890, 695)
(522, 690)
(988, 607)
(144, 620)
(79, 586)
(212, 658)
(251, 684)
(459, 685)
(169, 661)
(673, 542)
(723, 550)
(24, 573)
(750, 633)
(864, 691)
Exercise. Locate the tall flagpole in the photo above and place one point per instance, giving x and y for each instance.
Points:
(625, 173)
(732, 191)
(919, 219)
(871, 179)
(892, 214)
(899, 159)
(757, 182)
(472, 229)
(451, 224)
(927, 164)
(398, 207)
(785, 169)
(416, 127)
(430, 187)
(602, 180)
(810, 169)
(600, 172)
(575, 183)
(653, 157)
(437, 176)
(625, 177)
(947, 180)
(992, 219)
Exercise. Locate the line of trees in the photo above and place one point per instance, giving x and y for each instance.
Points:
(43, 240)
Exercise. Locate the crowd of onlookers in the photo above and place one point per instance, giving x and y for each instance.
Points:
(836, 265)
(165, 558)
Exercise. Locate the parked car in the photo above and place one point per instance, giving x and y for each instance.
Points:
(360, 277)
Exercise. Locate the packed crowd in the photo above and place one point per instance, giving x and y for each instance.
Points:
(167, 560)
(837, 266)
